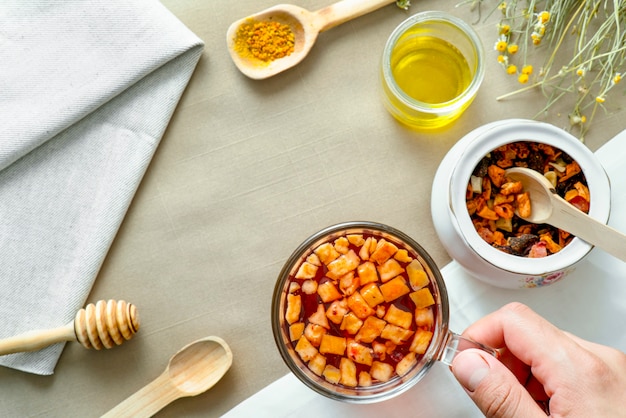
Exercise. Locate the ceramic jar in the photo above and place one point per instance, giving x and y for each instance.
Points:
(454, 225)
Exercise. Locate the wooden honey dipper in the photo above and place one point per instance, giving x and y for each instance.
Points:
(103, 324)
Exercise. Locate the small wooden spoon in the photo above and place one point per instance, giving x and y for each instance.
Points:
(305, 25)
(104, 324)
(194, 369)
(550, 208)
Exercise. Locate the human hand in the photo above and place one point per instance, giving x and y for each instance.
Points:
(540, 365)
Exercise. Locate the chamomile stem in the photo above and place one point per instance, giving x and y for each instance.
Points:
(563, 33)
(526, 88)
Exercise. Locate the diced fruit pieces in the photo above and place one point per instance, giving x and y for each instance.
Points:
(383, 252)
(348, 283)
(406, 364)
(328, 292)
(422, 298)
(314, 259)
(380, 350)
(421, 341)
(359, 353)
(342, 265)
(417, 276)
(390, 347)
(371, 294)
(305, 349)
(333, 345)
(294, 306)
(331, 374)
(381, 371)
(337, 310)
(306, 271)
(341, 245)
(371, 329)
(351, 323)
(296, 330)
(402, 256)
(396, 334)
(309, 287)
(356, 239)
(367, 273)
(390, 269)
(424, 317)
(394, 288)
(319, 317)
(368, 248)
(314, 334)
(397, 316)
(359, 306)
(373, 244)
(317, 364)
(365, 379)
(326, 253)
(348, 372)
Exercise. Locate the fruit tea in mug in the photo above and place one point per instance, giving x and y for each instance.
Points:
(360, 313)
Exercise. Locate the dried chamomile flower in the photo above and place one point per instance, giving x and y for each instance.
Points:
(575, 119)
(511, 69)
(580, 45)
(403, 4)
(616, 79)
(501, 44)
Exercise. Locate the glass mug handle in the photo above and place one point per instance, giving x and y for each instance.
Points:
(455, 343)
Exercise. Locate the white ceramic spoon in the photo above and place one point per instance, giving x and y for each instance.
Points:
(191, 371)
(550, 208)
(305, 25)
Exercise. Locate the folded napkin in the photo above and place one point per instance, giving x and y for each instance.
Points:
(87, 89)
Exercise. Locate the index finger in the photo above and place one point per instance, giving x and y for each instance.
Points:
(526, 335)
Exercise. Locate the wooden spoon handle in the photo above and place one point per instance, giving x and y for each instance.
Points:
(346, 10)
(585, 227)
(36, 340)
(148, 400)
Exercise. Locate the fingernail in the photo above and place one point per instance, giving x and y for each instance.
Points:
(470, 369)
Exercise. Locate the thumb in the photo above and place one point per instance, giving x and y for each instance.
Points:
(492, 387)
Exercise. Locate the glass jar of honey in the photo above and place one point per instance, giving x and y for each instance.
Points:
(432, 67)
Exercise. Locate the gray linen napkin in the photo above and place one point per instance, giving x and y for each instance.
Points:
(87, 89)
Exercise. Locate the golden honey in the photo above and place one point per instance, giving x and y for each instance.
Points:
(431, 70)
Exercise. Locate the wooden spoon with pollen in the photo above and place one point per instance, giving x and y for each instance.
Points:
(305, 26)
(104, 324)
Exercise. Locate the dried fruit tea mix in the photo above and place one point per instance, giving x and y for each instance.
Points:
(492, 198)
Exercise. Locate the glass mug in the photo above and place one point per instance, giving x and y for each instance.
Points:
(444, 344)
